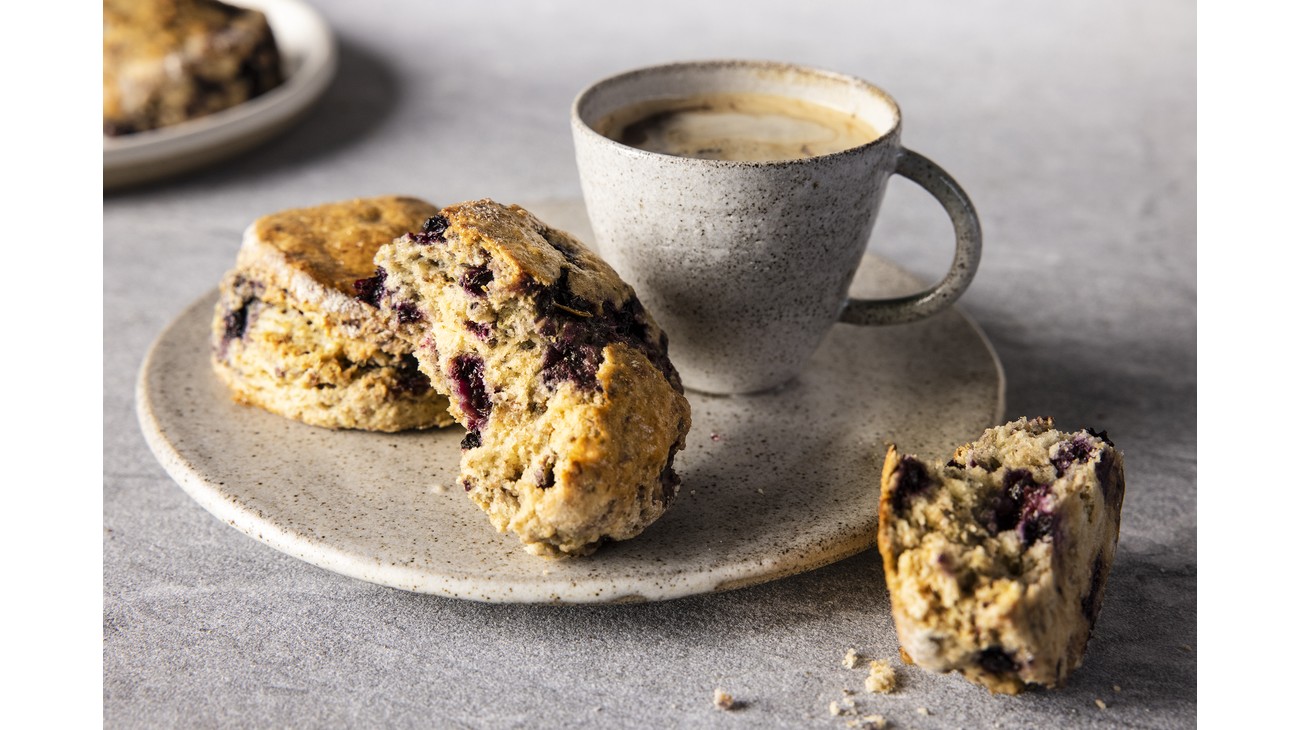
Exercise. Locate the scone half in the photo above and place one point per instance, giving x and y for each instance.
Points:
(574, 412)
(996, 562)
(289, 336)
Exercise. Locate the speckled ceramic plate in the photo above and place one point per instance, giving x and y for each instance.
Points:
(772, 484)
(310, 56)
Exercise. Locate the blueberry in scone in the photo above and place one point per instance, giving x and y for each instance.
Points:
(573, 411)
(996, 561)
(289, 336)
(167, 61)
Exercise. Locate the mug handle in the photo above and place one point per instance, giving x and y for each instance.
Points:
(900, 310)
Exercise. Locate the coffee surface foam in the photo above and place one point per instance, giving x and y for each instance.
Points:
(736, 126)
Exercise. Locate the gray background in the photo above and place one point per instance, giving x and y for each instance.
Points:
(1071, 125)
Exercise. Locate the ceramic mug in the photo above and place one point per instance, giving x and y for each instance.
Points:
(746, 265)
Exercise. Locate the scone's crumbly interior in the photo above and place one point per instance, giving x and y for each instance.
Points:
(167, 61)
(574, 412)
(289, 337)
(997, 561)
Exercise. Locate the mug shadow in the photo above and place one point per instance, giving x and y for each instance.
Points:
(361, 97)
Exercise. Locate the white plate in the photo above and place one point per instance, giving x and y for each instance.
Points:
(772, 484)
(310, 60)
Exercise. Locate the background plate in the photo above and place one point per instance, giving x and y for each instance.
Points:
(772, 484)
(310, 59)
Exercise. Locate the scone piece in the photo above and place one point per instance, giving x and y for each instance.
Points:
(289, 336)
(561, 377)
(996, 562)
(166, 61)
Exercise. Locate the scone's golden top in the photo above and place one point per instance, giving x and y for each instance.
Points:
(335, 244)
(518, 240)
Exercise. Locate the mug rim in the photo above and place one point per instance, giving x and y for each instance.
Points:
(578, 122)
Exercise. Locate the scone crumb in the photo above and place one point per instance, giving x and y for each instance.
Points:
(836, 709)
(852, 659)
(438, 488)
(882, 678)
(1116, 687)
(869, 722)
(1100, 705)
(923, 711)
(723, 700)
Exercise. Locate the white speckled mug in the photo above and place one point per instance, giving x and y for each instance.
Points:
(746, 265)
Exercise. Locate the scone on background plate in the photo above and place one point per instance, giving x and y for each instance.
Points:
(574, 412)
(289, 336)
(996, 562)
(167, 61)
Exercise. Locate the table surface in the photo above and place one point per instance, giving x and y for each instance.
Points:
(1071, 125)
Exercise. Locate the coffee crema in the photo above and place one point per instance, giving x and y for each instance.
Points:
(739, 126)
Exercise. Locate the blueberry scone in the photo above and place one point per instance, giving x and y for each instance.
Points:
(289, 336)
(996, 562)
(166, 61)
(574, 412)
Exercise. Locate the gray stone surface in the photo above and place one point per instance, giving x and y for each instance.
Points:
(1072, 126)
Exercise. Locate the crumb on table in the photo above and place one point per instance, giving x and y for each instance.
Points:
(882, 678)
(851, 659)
(723, 700)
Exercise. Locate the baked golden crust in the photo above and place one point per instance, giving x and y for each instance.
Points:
(528, 249)
(289, 336)
(335, 244)
(313, 257)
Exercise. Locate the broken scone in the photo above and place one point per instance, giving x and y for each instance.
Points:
(574, 412)
(288, 335)
(996, 562)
